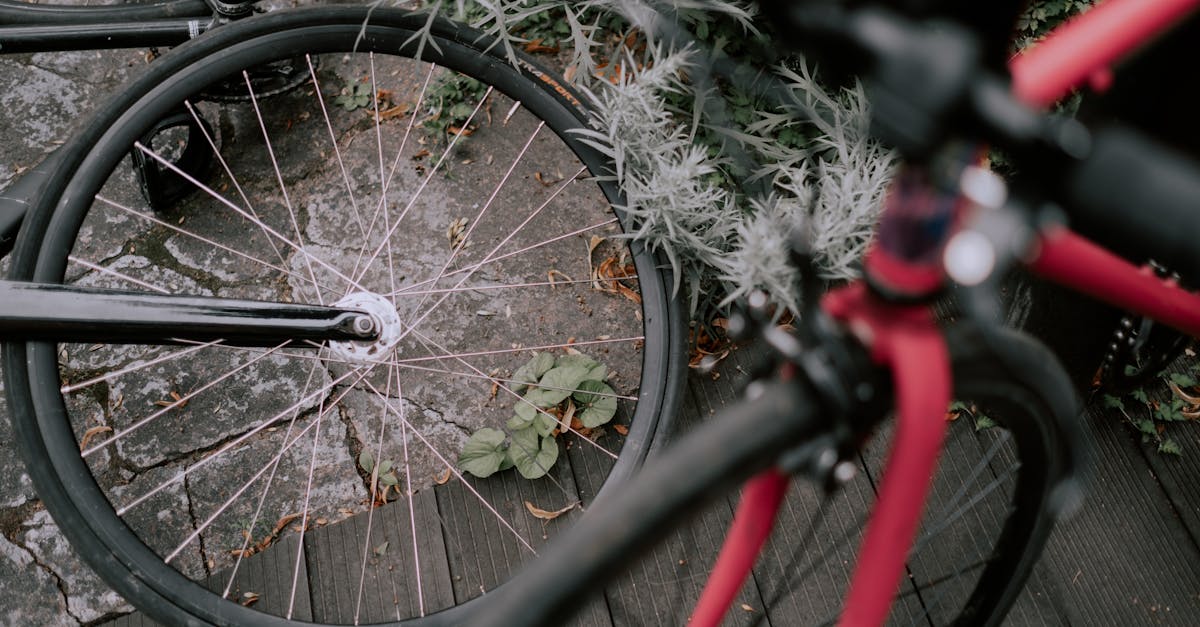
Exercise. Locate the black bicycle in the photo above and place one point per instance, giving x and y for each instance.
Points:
(209, 444)
(223, 454)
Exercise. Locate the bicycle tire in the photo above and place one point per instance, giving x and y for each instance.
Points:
(85, 495)
(1007, 369)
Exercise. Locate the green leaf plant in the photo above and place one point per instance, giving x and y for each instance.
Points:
(1150, 411)
(553, 391)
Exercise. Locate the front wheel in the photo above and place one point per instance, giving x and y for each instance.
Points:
(991, 508)
(525, 337)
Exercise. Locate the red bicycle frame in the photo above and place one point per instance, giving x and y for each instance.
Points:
(906, 339)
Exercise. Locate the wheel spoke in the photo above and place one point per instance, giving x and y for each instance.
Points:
(287, 200)
(308, 256)
(232, 178)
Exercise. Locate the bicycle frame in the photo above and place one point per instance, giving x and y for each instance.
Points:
(52, 28)
(70, 314)
(905, 338)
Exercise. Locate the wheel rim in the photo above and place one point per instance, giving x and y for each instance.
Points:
(318, 228)
(973, 541)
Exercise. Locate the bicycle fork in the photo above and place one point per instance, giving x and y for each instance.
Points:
(906, 340)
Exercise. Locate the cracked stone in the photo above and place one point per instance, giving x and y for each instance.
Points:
(337, 489)
(162, 520)
(88, 597)
(269, 389)
(31, 596)
(440, 441)
(15, 487)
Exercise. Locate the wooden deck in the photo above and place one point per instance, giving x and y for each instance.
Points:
(1128, 558)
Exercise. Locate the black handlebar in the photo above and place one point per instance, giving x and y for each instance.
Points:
(927, 81)
(1139, 198)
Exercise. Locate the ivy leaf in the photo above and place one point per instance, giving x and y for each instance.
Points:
(532, 454)
(532, 371)
(366, 461)
(483, 453)
(598, 401)
(1169, 447)
(596, 370)
(1140, 395)
(544, 424)
(958, 406)
(557, 385)
(1112, 402)
(1182, 380)
(526, 412)
(983, 422)
(1146, 426)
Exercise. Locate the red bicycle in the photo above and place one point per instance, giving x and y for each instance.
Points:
(875, 345)
(190, 383)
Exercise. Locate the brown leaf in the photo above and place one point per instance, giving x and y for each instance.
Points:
(1190, 399)
(91, 434)
(622, 429)
(397, 111)
(747, 608)
(421, 154)
(442, 478)
(543, 180)
(630, 294)
(568, 416)
(458, 130)
(537, 47)
(545, 514)
(283, 523)
(249, 598)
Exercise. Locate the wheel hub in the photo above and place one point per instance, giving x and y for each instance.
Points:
(386, 321)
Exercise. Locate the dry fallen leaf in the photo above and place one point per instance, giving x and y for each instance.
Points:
(249, 598)
(747, 608)
(1178, 391)
(622, 429)
(543, 180)
(567, 415)
(545, 514)
(537, 47)
(442, 478)
(397, 111)
(176, 401)
(91, 434)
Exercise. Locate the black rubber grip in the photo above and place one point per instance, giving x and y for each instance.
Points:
(1138, 198)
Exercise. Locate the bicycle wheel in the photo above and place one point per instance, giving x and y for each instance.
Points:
(322, 483)
(990, 511)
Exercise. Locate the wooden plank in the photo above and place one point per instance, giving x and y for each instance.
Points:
(270, 575)
(664, 586)
(266, 575)
(1125, 558)
(380, 567)
(487, 543)
(1178, 475)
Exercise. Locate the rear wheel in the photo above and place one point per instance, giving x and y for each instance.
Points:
(450, 196)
